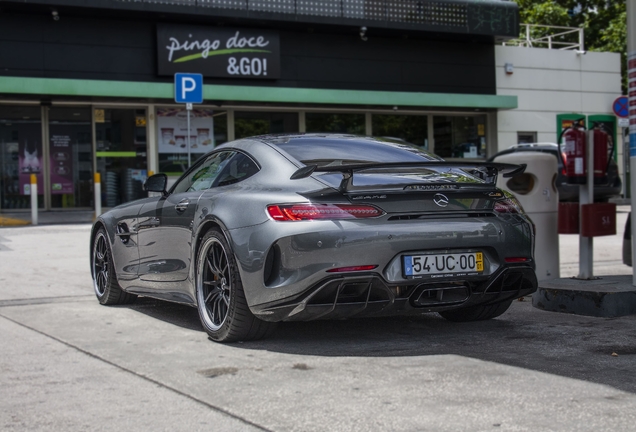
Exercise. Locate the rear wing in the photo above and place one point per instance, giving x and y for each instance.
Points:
(487, 171)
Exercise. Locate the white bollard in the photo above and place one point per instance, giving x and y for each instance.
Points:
(98, 195)
(34, 199)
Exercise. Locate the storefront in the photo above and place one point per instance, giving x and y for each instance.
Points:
(70, 109)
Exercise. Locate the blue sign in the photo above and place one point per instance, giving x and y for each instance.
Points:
(188, 88)
(621, 107)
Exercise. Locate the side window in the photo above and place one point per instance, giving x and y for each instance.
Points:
(204, 174)
(238, 168)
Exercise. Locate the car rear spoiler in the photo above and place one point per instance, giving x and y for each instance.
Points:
(487, 171)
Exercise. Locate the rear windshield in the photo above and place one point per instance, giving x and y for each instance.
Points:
(344, 151)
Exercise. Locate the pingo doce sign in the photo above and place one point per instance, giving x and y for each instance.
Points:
(218, 51)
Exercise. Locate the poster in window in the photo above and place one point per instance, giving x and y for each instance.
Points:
(29, 162)
(61, 165)
(173, 130)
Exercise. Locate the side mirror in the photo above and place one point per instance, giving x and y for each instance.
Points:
(156, 183)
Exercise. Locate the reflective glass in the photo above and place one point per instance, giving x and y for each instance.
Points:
(401, 128)
(460, 136)
(248, 124)
(335, 123)
(71, 157)
(121, 154)
(20, 155)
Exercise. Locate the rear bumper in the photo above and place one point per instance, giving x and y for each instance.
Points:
(371, 295)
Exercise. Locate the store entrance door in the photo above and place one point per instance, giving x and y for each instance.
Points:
(71, 157)
(121, 154)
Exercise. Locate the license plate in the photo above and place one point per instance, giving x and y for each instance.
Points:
(443, 264)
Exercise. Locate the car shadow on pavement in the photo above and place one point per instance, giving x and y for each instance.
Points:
(174, 313)
(600, 350)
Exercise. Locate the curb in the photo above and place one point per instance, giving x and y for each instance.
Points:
(607, 296)
(8, 222)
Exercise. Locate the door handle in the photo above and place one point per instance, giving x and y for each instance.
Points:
(182, 205)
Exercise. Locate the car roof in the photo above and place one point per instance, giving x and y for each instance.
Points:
(349, 147)
(531, 146)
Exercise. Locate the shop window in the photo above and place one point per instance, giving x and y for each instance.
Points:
(71, 157)
(526, 137)
(402, 128)
(337, 123)
(248, 124)
(460, 136)
(121, 154)
(20, 156)
(208, 128)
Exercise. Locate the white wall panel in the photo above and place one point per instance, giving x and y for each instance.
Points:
(550, 82)
(539, 79)
(604, 82)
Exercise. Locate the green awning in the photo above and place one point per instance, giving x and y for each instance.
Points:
(235, 93)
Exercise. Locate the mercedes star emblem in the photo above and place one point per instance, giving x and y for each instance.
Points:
(440, 199)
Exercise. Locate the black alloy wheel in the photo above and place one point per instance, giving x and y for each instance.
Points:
(105, 283)
(221, 302)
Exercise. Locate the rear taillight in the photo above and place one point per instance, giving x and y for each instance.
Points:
(516, 259)
(564, 170)
(301, 212)
(508, 205)
(352, 269)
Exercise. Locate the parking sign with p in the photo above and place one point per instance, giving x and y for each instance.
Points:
(188, 88)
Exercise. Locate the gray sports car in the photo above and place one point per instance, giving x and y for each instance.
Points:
(313, 226)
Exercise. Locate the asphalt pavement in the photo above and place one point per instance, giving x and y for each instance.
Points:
(68, 363)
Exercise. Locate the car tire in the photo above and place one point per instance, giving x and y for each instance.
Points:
(221, 302)
(105, 283)
(477, 313)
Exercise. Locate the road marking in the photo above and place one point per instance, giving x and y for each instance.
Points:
(45, 300)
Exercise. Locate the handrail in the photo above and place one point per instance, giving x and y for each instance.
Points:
(547, 39)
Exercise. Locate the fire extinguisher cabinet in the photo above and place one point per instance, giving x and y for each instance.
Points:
(536, 191)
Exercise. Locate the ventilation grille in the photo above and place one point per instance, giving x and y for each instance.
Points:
(433, 13)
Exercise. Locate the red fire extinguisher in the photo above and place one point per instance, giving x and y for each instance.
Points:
(603, 148)
(573, 153)
(574, 158)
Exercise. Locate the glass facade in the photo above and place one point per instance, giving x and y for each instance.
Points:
(460, 136)
(208, 128)
(120, 138)
(21, 154)
(335, 123)
(70, 157)
(64, 145)
(259, 123)
(411, 129)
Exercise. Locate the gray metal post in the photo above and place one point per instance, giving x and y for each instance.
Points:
(188, 109)
(631, 70)
(98, 194)
(586, 196)
(34, 199)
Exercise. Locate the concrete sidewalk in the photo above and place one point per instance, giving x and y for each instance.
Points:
(59, 217)
(70, 364)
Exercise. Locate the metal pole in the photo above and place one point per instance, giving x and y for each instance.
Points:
(631, 72)
(98, 195)
(34, 199)
(188, 109)
(586, 196)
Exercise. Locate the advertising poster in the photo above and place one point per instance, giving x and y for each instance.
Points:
(61, 165)
(30, 162)
(173, 130)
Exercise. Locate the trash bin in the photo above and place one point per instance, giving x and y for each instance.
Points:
(537, 193)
